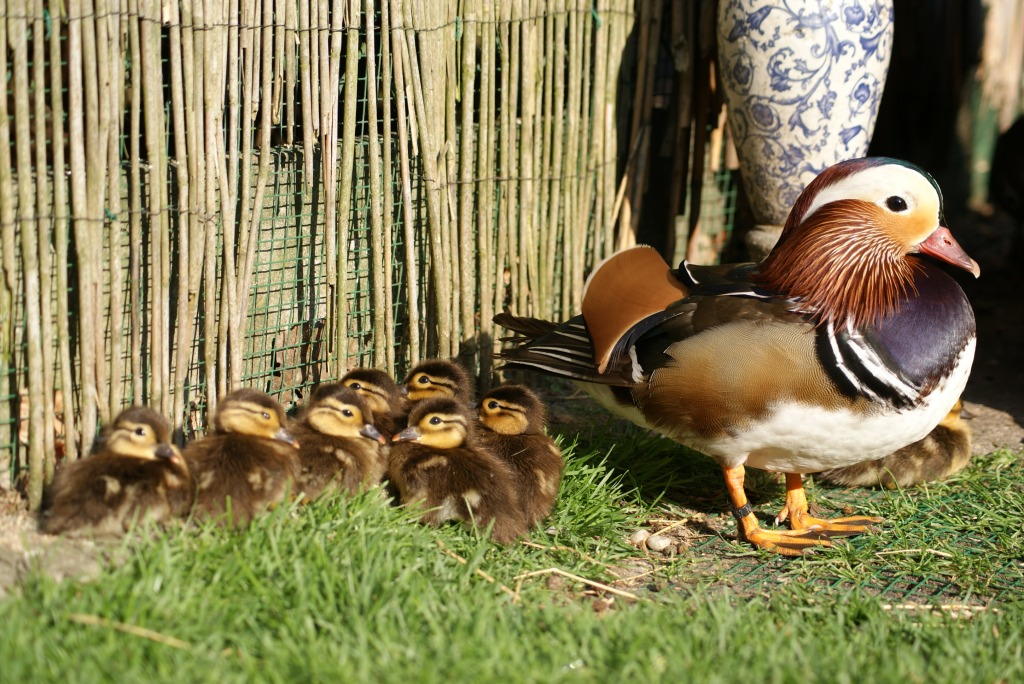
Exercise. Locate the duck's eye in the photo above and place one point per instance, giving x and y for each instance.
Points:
(140, 431)
(434, 420)
(896, 203)
(493, 405)
(266, 416)
(423, 380)
(355, 385)
(347, 413)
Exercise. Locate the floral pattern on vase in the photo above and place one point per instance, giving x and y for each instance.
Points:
(803, 80)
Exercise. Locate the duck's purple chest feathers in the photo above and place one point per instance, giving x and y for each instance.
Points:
(930, 329)
(903, 357)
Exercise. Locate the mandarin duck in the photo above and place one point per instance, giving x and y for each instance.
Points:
(248, 463)
(437, 378)
(382, 395)
(942, 452)
(513, 421)
(134, 475)
(438, 463)
(848, 342)
(339, 447)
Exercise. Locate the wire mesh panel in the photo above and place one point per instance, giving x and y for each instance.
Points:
(995, 574)
(269, 198)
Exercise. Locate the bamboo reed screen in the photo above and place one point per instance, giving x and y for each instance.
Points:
(196, 196)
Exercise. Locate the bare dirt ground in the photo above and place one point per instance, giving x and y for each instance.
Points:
(22, 548)
(994, 400)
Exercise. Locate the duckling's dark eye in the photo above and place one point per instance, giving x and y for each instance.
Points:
(435, 420)
(492, 404)
(896, 203)
(423, 380)
(140, 431)
(355, 385)
(266, 416)
(346, 413)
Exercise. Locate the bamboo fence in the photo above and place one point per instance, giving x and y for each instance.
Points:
(196, 196)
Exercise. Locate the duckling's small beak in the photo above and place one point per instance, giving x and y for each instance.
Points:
(373, 433)
(403, 390)
(168, 452)
(409, 434)
(283, 435)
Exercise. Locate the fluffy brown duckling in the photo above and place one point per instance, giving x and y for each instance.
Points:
(437, 462)
(339, 446)
(513, 420)
(248, 463)
(942, 452)
(438, 378)
(133, 475)
(382, 395)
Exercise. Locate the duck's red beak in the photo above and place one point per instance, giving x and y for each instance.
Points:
(942, 246)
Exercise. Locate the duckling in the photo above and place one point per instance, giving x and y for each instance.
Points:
(340, 447)
(382, 395)
(942, 452)
(513, 423)
(248, 463)
(438, 378)
(437, 462)
(133, 475)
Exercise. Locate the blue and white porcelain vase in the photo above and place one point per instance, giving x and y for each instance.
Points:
(802, 80)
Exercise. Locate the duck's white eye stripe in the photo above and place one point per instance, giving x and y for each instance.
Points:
(878, 185)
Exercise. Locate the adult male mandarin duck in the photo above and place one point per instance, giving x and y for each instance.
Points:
(846, 343)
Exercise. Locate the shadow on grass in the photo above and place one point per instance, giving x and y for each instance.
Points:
(659, 469)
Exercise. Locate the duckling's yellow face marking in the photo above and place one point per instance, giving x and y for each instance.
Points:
(136, 440)
(952, 420)
(426, 386)
(374, 395)
(336, 418)
(442, 430)
(248, 418)
(503, 417)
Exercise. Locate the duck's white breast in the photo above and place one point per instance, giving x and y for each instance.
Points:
(799, 438)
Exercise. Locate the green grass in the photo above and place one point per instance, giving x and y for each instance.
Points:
(351, 589)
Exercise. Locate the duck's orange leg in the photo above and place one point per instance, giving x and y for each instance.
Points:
(787, 542)
(796, 510)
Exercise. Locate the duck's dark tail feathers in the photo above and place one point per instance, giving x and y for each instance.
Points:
(563, 350)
